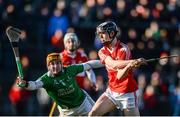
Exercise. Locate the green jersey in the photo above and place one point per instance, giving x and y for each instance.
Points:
(63, 88)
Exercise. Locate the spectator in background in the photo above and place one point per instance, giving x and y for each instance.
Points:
(177, 99)
(131, 15)
(74, 12)
(121, 9)
(155, 96)
(57, 27)
(161, 93)
(88, 13)
(175, 82)
(150, 101)
(18, 96)
(141, 85)
(1, 55)
(57, 41)
(59, 21)
(1, 98)
(9, 14)
(176, 42)
(100, 9)
(19, 99)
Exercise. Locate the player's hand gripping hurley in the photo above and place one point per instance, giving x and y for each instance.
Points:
(13, 36)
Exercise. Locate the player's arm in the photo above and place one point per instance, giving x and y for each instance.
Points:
(91, 76)
(106, 59)
(131, 65)
(116, 63)
(90, 73)
(123, 72)
(92, 64)
(29, 85)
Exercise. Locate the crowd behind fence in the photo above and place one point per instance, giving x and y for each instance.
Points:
(150, 28)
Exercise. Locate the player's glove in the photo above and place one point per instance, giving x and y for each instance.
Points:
(21, 83)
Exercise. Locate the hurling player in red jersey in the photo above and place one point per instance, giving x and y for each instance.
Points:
(122, 87)
(71, 55)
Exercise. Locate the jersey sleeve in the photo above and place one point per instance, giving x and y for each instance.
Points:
(124, 53)
(75, 69)
(44, 78)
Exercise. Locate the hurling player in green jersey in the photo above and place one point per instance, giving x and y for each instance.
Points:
(61, 86)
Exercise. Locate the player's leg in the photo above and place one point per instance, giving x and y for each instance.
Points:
(81, 110)
(131, 112)
(90, 100)
(129, 104)
(66, 112)
(86, 106)
(102, 106)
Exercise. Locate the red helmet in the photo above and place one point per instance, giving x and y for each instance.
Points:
(108, 27)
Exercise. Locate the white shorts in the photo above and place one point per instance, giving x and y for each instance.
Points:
(83, 109)
(122, 100)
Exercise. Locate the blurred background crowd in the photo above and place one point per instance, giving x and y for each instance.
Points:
(151, 28)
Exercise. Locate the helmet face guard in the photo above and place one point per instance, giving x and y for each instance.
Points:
(108, 27)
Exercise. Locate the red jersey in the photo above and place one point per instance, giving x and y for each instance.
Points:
(79, 57)
(120, 52)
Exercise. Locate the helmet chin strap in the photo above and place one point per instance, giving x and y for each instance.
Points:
(72, 50)
(106, 43)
